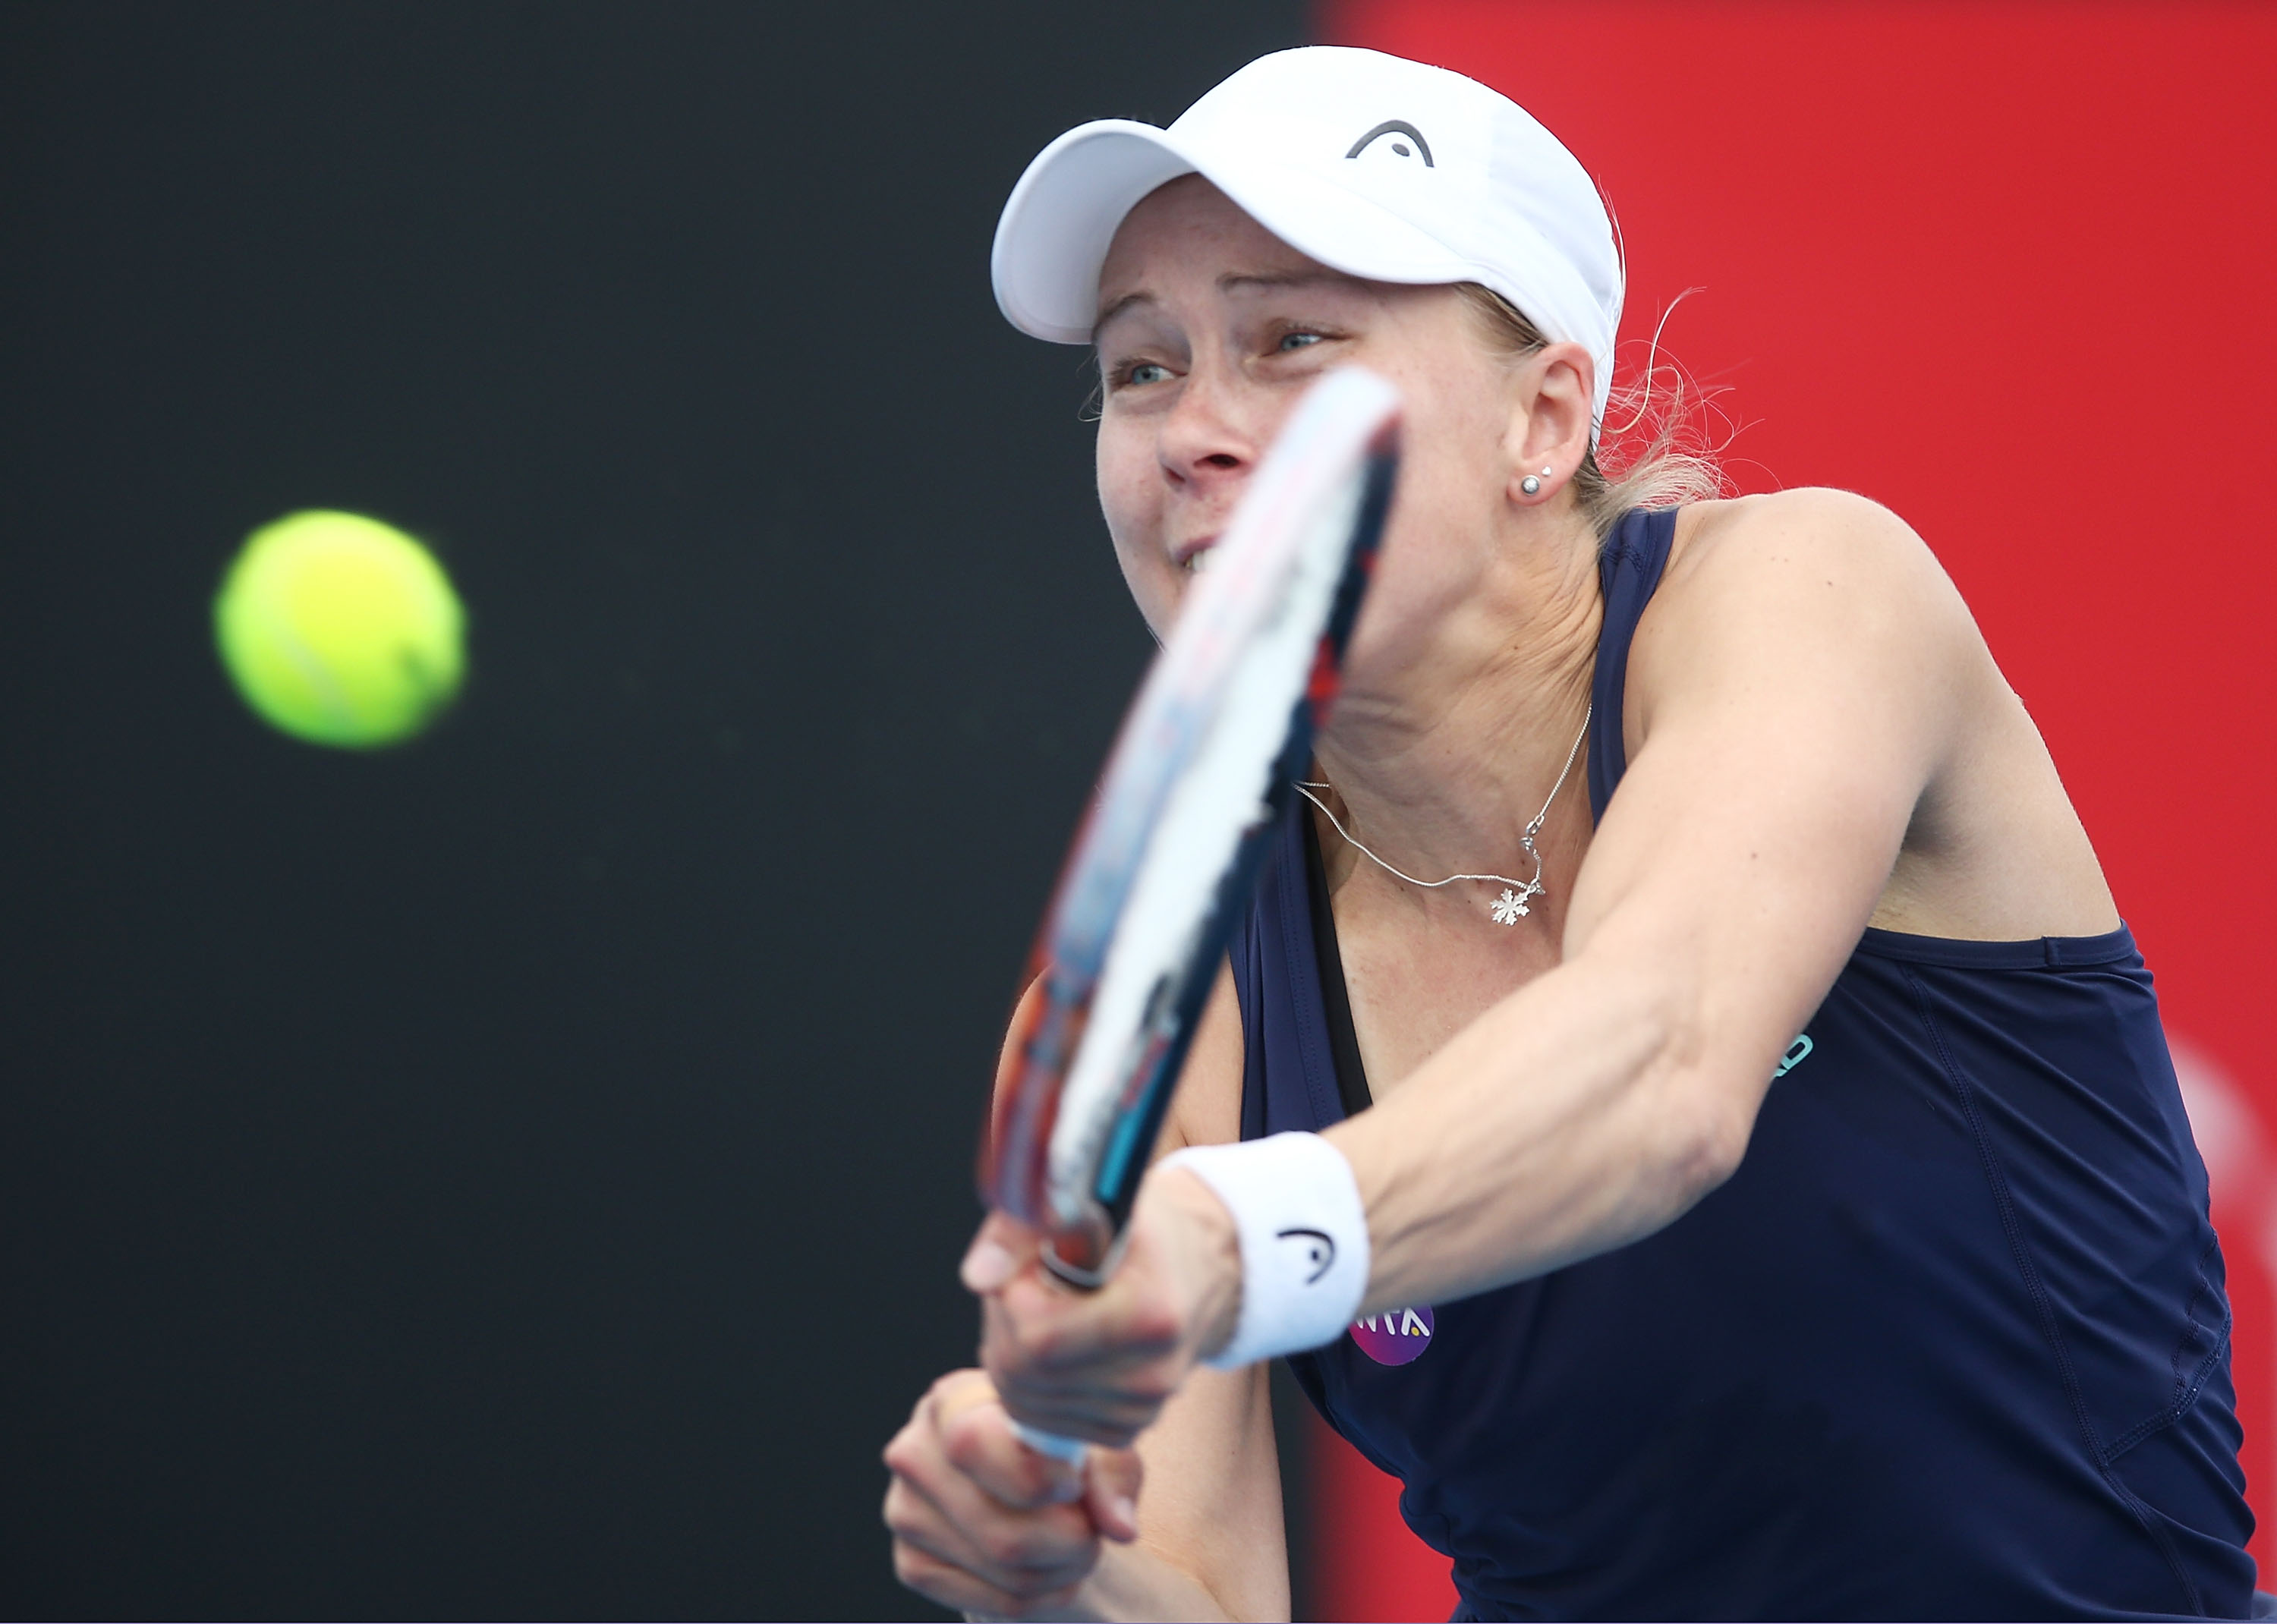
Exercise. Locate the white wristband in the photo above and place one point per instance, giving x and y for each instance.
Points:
(1304, 1241)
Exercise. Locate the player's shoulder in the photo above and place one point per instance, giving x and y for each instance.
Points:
(1822, 576)
(1842, 554)
(1810, 525)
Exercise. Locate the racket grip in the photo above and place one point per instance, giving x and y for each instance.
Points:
(1070, 1450)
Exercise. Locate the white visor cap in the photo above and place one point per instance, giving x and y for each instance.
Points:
(1376, 166)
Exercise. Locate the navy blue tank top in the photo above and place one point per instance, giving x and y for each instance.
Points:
(1953, 1341)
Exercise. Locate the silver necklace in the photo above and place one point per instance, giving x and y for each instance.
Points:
(1511, 906)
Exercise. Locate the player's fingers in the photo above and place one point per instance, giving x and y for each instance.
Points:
(951, 1512)
(960, 1591)
(1120, 1331)
(954, 1527)
(1019, 1553)
(953, 1584)
(918, 1454)
(965, 1404)
(914, 1518)
(1111, 1479)
(978, 1436)
(943, 1401)
(1098, 1391)
(1106, 1418)
(1000, 1251)
(960, 1427)
(1040, 1329)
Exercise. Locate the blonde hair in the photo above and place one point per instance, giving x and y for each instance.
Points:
(1659, 457)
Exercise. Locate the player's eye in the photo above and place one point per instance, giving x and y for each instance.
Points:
(1130, 374)
(1297, 341)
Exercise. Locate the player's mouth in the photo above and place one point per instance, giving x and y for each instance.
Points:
(1193, 556)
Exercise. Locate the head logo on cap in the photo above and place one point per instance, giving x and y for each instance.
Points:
(1396, 126)
(1511, 208)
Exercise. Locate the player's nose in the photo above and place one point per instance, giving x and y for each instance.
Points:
(1207, 441)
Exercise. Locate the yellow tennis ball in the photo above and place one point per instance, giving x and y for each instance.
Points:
(340, 630)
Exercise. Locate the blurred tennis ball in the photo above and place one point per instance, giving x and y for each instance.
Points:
(340, 630)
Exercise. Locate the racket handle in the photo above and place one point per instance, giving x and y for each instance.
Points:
(1070, 1450)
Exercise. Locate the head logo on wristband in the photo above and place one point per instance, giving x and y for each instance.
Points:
(1303, 1236)
(1319, 1251)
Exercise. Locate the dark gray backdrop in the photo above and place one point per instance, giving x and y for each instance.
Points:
(521, 1174)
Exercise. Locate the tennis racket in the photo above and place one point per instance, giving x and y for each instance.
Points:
(1164, 864)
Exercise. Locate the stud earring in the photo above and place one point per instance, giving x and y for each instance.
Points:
(1531, 485)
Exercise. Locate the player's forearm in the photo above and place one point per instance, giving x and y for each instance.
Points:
(1577, 1115)
(1138, 1582)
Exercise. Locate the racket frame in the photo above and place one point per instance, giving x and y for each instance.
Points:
(1076, 1181)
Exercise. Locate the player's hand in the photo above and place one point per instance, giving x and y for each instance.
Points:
(1099, 1365)
(983, 1524)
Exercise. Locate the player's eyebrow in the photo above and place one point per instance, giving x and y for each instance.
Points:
(1135, 297)
(1232, 282)
(1243, 281)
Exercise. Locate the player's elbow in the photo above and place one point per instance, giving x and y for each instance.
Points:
(1702, 1127)
(1706, 1140)
(1686, 1119)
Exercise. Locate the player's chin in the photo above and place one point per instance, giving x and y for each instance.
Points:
(967, 1593)
(1162, 600)
(1158, 586)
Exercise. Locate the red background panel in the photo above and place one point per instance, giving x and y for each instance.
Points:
(2009, 269)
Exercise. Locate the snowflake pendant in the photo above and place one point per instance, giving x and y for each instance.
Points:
(1509, 907)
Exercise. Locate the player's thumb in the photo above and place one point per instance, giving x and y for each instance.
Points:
(1000, 1251)
(1110, 1491)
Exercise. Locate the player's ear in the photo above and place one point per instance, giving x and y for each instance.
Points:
(1551, 421)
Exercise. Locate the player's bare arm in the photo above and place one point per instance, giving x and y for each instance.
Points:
(1808, 689)
(1811, 713)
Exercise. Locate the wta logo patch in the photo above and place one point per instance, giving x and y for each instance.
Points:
(1398, 1337)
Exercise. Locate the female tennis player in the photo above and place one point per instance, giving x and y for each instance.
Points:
(1721, 1126)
